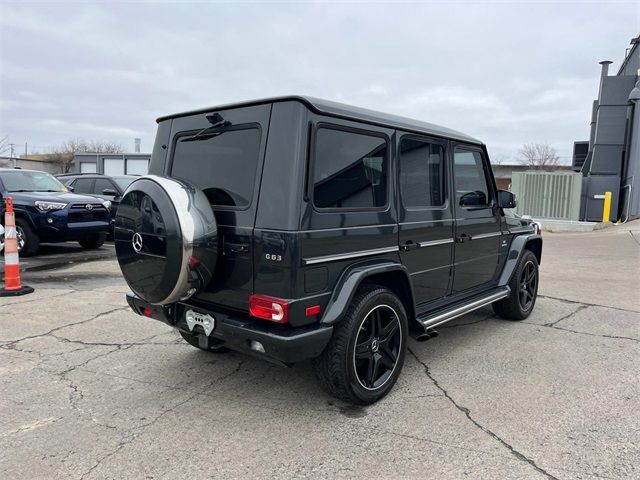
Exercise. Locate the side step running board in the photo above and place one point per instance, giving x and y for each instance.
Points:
(432, 320)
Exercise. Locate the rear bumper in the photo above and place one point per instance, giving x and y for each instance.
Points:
(282, 344)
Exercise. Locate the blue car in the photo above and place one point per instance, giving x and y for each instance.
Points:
(47, 212)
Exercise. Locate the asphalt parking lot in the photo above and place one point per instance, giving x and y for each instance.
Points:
(90, 390)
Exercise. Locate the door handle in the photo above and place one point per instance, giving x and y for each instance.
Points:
(463, 238)
(408, 245)
(237, 247)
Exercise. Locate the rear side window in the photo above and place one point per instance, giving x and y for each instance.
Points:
(349, 170)
(102, 184)
(223, 166)
(421, 173)
(83, 185)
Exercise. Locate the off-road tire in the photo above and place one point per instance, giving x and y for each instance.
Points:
(93, 241)
(217, 346)
(511, 308)
(31, 239)
(335, 367)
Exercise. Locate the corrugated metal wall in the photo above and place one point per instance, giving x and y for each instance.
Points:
(548, 194)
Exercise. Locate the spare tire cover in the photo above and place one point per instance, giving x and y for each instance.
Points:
(166, 239)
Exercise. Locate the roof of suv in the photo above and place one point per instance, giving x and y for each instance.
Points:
(348, 112)
(5, 169)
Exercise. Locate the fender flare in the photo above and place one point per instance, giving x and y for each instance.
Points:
(23, 214)
(350, 281)
(517, 247)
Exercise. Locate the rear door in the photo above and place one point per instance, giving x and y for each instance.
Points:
(226, 164)
(477, 225)
(425, 217)
(83, 185)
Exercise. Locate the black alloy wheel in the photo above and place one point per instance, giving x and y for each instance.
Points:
(377, 349)
(365, 355)
(528, 285)
(524, 289)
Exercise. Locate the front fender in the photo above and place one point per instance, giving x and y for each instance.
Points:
(519, 245)
(353, 277)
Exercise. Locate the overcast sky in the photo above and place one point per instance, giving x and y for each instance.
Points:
(504, 72)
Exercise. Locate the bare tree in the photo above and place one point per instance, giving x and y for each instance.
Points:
(538, 156)
(499, 159)
(76, 145)
(4, 144)
(63, 160)
(63, 156)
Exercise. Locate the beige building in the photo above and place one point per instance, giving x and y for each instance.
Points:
(31, 162)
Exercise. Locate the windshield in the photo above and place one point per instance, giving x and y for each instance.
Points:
(27, 181)
(124, 182)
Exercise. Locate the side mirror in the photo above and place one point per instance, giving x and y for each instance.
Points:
(473, 199)
(70, 188)
(109, 191)
(506, 199)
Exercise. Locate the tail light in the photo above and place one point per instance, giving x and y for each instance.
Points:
(268, 308)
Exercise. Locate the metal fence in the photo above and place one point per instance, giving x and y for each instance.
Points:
(548, 194)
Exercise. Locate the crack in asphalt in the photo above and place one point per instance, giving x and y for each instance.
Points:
(601, 335)
(11, 343)
(520, 456)
(583, 306)
(113, 344)
(569, 315)
(565, 300)
(39, 299)
(139, 430)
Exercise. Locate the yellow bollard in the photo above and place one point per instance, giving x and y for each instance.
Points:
(606, 209)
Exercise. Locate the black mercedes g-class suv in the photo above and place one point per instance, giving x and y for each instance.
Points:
(294, 228)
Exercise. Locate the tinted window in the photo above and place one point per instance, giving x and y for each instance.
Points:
(224, 166)
(471, 181)
(350, 170)
(421, 173)
(102, 184)
(83, 185)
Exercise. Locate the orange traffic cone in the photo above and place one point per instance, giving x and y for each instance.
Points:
(12, 284)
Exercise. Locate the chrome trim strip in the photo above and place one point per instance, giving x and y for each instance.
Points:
(442, 220)
(486, 235)
(346, 256)
(522, 230)
(433, 243)
(444, 317)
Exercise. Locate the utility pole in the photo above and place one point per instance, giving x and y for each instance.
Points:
(13, 160)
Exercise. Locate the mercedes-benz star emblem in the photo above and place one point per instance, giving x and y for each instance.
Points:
(88, 206)
(136, 241)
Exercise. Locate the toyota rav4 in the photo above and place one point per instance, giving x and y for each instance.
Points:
(294, 228)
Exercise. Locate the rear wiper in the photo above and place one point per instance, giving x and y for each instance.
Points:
(218, 126)
(22, 190)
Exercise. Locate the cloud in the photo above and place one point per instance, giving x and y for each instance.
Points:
(505, 73)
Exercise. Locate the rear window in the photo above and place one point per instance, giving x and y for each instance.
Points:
(350, 170)
(223, 167)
